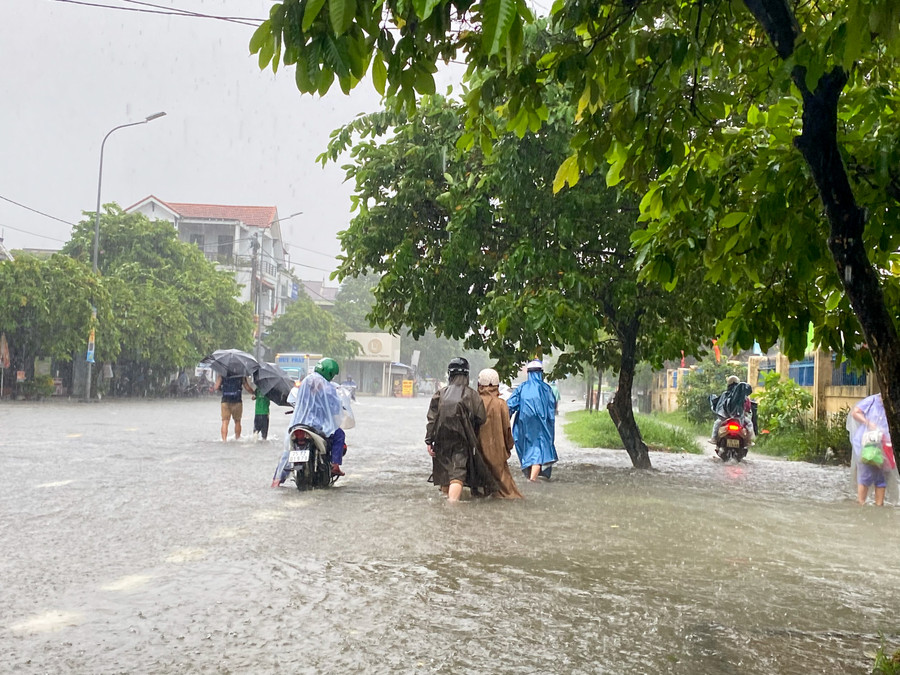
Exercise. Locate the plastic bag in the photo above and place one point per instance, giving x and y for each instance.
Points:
(872, 451)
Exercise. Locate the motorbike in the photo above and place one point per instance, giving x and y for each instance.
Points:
(309, 458)
(733, 440)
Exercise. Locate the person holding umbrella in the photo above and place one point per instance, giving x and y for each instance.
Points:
(233, 368)
(232, 404)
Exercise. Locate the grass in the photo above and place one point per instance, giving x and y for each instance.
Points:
(596, 430)
(678, 419)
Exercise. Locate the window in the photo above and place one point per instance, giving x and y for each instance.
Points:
(198, 240)
(803, 372)
(845, 376)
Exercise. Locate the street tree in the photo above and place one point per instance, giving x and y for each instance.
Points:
(46, 310)
(305, 326)
(173, 304)
(480, 249)
(761, 135)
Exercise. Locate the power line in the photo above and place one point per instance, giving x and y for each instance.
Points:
(33, 234)
(246, 21)
(28, 208)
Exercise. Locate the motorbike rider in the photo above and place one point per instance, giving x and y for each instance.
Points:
(734, 402)
(317, 405)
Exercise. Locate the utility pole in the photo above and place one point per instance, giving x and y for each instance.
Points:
(255, 282)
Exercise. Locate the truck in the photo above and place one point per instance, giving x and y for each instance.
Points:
(297, 364)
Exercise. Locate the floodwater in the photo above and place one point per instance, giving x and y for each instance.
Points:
(134, 541)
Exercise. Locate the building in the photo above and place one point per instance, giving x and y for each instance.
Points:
(372, 369)
(243, 239)
(319, 293)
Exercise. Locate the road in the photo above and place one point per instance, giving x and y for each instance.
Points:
(135, 541)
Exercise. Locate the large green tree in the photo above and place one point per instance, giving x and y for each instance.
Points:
(171, 304)
(46, 310)
(761, 134)
(480, 249)
(306, 327)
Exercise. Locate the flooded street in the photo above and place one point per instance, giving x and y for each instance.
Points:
(134, 541)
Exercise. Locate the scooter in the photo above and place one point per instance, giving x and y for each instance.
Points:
(308, 458)
(733, 440)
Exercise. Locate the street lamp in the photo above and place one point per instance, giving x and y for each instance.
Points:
(154, 116)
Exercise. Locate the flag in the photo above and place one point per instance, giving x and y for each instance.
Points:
(716, 351)
(4, 351)
(682, 358)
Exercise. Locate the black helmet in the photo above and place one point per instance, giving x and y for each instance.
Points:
(458, 366)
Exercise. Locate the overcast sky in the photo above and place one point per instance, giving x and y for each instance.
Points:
(232, 134)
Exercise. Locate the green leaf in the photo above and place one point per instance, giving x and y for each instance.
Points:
(379, 73)
(732, 219)
(341, 14)
(424, 8)
(568, 172)
(832, 301)
(310, 12)
(496, 18)
(424, 82)
(266, 51)
(260, 35)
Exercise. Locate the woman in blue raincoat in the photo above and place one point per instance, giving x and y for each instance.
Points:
(533, 406)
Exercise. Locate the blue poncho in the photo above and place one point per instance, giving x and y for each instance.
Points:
(534, 405)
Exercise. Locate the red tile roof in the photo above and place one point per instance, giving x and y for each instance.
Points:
(254, 216)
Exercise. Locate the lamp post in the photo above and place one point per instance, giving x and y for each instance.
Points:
(154, 116)
(256, 245)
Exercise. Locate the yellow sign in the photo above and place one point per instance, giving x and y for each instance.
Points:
(407, 387)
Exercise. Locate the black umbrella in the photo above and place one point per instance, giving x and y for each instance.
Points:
(232, 363)
(273, 382)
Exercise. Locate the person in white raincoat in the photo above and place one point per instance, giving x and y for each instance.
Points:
(868, 416)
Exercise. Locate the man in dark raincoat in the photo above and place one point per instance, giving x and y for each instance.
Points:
(534, 427)
(454, 416)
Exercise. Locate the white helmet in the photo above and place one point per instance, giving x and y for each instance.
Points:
(487, 377)
(535, 365)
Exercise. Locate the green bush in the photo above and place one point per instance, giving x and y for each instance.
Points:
(699, 383)
(783, 405)
(821, 442)
(39, 387)
(597, 430)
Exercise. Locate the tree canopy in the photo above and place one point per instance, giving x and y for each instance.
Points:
(307, 327)
(480, 249)
(170, 305)
(761, 137)
(46, 310)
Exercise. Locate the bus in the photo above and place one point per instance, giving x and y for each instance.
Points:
(297, 364)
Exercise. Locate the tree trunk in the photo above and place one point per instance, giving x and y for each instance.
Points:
(620, 409)
(819, 146)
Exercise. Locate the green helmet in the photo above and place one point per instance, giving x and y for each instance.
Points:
(327, 368)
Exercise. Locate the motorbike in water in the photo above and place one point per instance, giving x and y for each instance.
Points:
(307, 457)
(732, 441)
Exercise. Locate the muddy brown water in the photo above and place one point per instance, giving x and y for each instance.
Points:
(136, 542)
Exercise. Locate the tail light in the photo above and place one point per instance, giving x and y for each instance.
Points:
(733, 427)
(298, 434)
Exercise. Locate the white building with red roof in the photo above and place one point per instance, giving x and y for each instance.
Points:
(243, 239)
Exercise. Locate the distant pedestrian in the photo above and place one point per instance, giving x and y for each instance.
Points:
(451, 436)
(534, 426)
(495, 435)
(867, 425)
(261, 416)
(232, 405)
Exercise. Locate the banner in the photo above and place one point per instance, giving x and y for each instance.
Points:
(90, 350)
(4, 351)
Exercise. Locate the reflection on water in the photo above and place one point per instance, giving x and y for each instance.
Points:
(162, 550)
